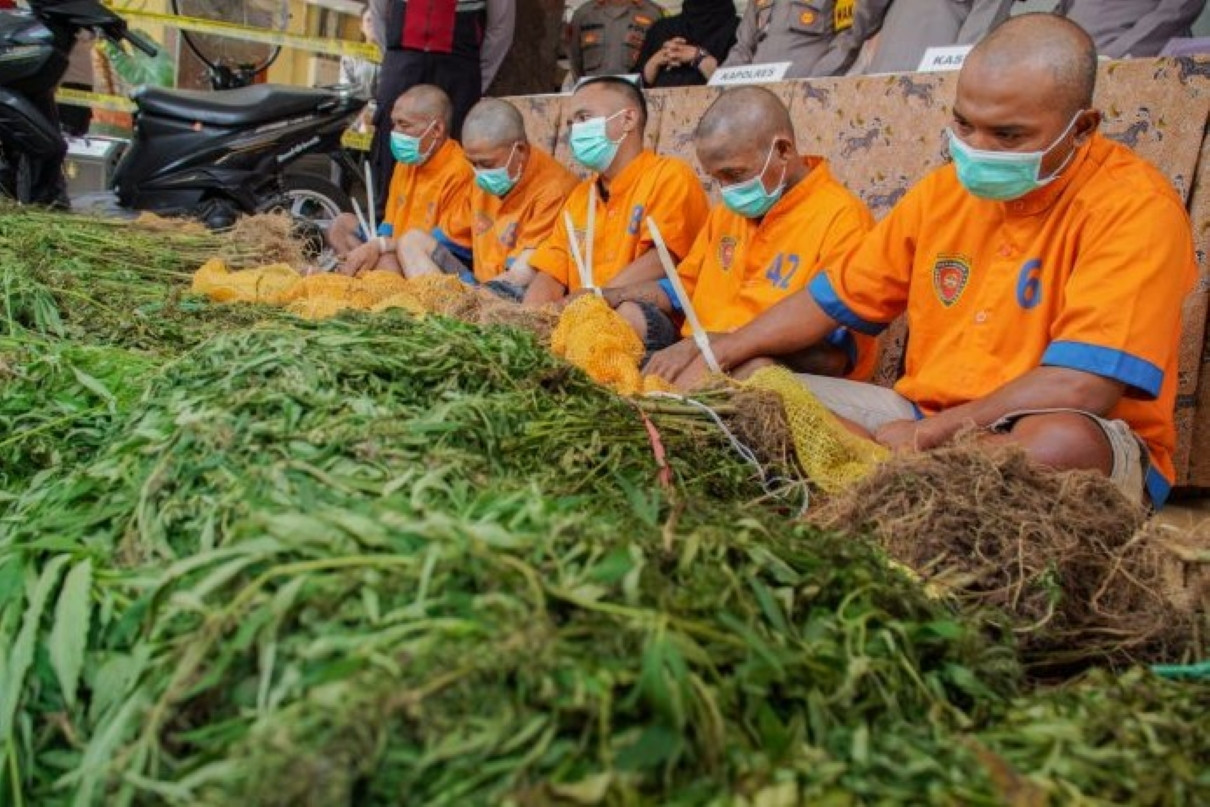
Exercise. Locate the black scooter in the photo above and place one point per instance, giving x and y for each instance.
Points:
(210, 155)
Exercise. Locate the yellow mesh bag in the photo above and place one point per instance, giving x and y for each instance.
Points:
(404, 300)
(318, 307)
(325, 286)
(832, 456)
(378, 285)
(595, 338)
(437, 293)
(266, 284)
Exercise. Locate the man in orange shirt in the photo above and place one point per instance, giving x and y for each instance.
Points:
(608, 116)
(515, 202)
(1041, 275)
(428, 188)
(782, 218)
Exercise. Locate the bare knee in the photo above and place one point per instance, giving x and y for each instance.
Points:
(414, 253)
(342, 233)
(1064, 441)
(633, 314)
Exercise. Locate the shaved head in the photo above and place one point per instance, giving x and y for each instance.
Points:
(743, 118)
(493, 122)
(426, 101)
(1048, 53)
(623, 92)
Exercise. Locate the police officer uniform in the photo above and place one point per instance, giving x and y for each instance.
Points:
(1124, 28)
(812, 34)
(605, 36)
(910, 27)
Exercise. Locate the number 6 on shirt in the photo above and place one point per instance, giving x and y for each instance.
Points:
(1029, 284)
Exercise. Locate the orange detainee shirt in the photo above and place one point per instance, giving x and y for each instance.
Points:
(1088, 272)
(741, 267)
(664, 188)
(432, 197)
(503, 228)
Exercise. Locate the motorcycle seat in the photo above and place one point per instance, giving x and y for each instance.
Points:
(260, 103)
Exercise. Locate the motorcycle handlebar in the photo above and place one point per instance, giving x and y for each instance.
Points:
(140, 42)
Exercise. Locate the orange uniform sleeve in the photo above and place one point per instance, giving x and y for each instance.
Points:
(1119, 312)
(867, 290)
(452, 227)
(553, 255)
(394, 199)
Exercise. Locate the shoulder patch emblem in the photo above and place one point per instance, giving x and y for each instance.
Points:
(950, 275)
(642, 20)
(726, 251)
(842, 15)
(508, 238)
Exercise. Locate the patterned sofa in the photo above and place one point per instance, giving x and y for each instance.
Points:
(883, 133)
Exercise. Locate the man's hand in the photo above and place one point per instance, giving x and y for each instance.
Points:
(898, 435)
(912, 435)
(680, 52)
(693, 376)
(362, 259)
(670, 362)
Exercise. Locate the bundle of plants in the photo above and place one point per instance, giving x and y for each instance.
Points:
(59, 401)
(390, 560)
(1060, 552)
(121, 282)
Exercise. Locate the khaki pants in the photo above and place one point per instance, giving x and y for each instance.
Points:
(871, 407)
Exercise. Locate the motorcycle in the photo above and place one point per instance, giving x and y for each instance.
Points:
(209, 155)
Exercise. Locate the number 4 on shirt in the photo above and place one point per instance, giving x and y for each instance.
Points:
(782, 262)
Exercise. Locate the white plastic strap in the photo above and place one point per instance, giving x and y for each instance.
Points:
(700, 337)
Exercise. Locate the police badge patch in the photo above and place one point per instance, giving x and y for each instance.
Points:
(483, 222)
(726, 252)
(950, 275)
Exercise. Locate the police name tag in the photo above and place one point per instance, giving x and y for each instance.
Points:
(938, 60)
(749, 74)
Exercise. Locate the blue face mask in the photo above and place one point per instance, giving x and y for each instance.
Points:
(497, 181)
(590, 144)
(406, 149)
(1002, 176)
(749, 198)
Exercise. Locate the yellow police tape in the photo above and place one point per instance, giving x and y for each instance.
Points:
(330, 47)
(352, 140)
(96, 100)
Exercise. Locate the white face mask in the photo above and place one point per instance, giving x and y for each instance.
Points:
(1004, 175)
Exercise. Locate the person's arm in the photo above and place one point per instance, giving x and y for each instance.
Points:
(650, 291)
(653, 55)
(497, 38)
(845, 46)
(1148, 36)
(575, 56)
(1041, 388)
(983, 17)
(643, 268)
(745, 39)
(380, 10)
(544, 289)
